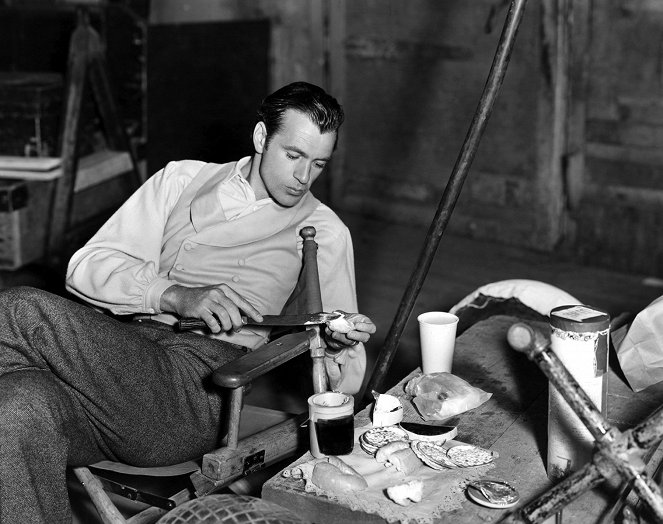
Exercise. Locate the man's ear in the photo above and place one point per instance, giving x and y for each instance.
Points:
(259, 137)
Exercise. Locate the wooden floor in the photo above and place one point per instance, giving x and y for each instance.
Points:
(386, 255)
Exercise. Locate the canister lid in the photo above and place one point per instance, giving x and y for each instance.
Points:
(579, 318)
(330, 403)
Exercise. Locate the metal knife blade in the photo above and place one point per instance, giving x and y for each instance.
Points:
(308, 319)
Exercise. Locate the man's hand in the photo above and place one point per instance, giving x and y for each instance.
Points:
(361, 330)
(220, 306)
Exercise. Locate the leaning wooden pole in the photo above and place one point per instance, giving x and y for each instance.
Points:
(451, 193)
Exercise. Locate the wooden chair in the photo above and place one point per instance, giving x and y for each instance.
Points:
(239, 455)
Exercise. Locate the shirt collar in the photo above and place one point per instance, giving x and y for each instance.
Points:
(236, 177)
(237, 170)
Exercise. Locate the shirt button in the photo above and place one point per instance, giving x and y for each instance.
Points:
(150, 310)
(188, 247)
(179, 267)
(241, 262)
(235, 278)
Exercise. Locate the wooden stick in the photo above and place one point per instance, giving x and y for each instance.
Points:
(314, 303)
(450, 196)
(107, 511)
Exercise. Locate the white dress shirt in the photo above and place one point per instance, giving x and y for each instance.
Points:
(155, 241)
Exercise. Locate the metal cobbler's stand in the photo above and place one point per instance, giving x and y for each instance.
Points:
(617, 454)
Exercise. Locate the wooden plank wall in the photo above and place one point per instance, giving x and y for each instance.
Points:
(414, 74)
(619, 215)
(571, 160)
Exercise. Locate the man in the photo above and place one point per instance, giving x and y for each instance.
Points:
(207, 241)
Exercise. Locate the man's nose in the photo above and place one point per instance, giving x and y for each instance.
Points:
(303, 174)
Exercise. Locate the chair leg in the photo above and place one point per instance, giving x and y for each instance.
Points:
(147, 516)
(107, 511)
(234, 413)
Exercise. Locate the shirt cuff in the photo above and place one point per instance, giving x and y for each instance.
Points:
(153, 292)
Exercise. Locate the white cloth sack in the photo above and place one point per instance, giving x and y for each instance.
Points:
(640, 354)
(539, 296)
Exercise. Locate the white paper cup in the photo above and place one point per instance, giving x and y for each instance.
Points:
(437, 334)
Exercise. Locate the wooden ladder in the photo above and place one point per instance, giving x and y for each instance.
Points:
(86, 61)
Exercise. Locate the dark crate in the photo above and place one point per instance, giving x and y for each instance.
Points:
(30, 112)
(13, 195)
(24, 211)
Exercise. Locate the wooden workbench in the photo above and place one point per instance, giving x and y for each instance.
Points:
(513, 423)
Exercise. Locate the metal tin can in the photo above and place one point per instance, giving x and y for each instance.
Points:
(579, 338)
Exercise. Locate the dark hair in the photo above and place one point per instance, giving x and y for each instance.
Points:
(322, 108)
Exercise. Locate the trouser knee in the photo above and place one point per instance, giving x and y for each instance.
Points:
(12, 295)
(31, 408)
(20, 301)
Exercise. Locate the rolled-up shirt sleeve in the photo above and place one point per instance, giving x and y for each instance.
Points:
(118, 268)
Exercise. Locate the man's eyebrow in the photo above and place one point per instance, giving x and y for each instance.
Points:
(295, 149)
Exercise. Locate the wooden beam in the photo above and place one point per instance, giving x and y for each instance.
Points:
(337, 85)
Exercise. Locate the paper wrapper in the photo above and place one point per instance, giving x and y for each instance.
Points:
(443, 490)
(387, 410)
(640, 353)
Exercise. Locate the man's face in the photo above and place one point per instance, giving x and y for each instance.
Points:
(294, 158)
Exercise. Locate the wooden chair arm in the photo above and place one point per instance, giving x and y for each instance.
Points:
(247, 368)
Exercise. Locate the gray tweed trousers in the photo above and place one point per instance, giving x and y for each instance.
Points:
(77, 386)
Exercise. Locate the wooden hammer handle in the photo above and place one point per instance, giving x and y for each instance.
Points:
(187, 324)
